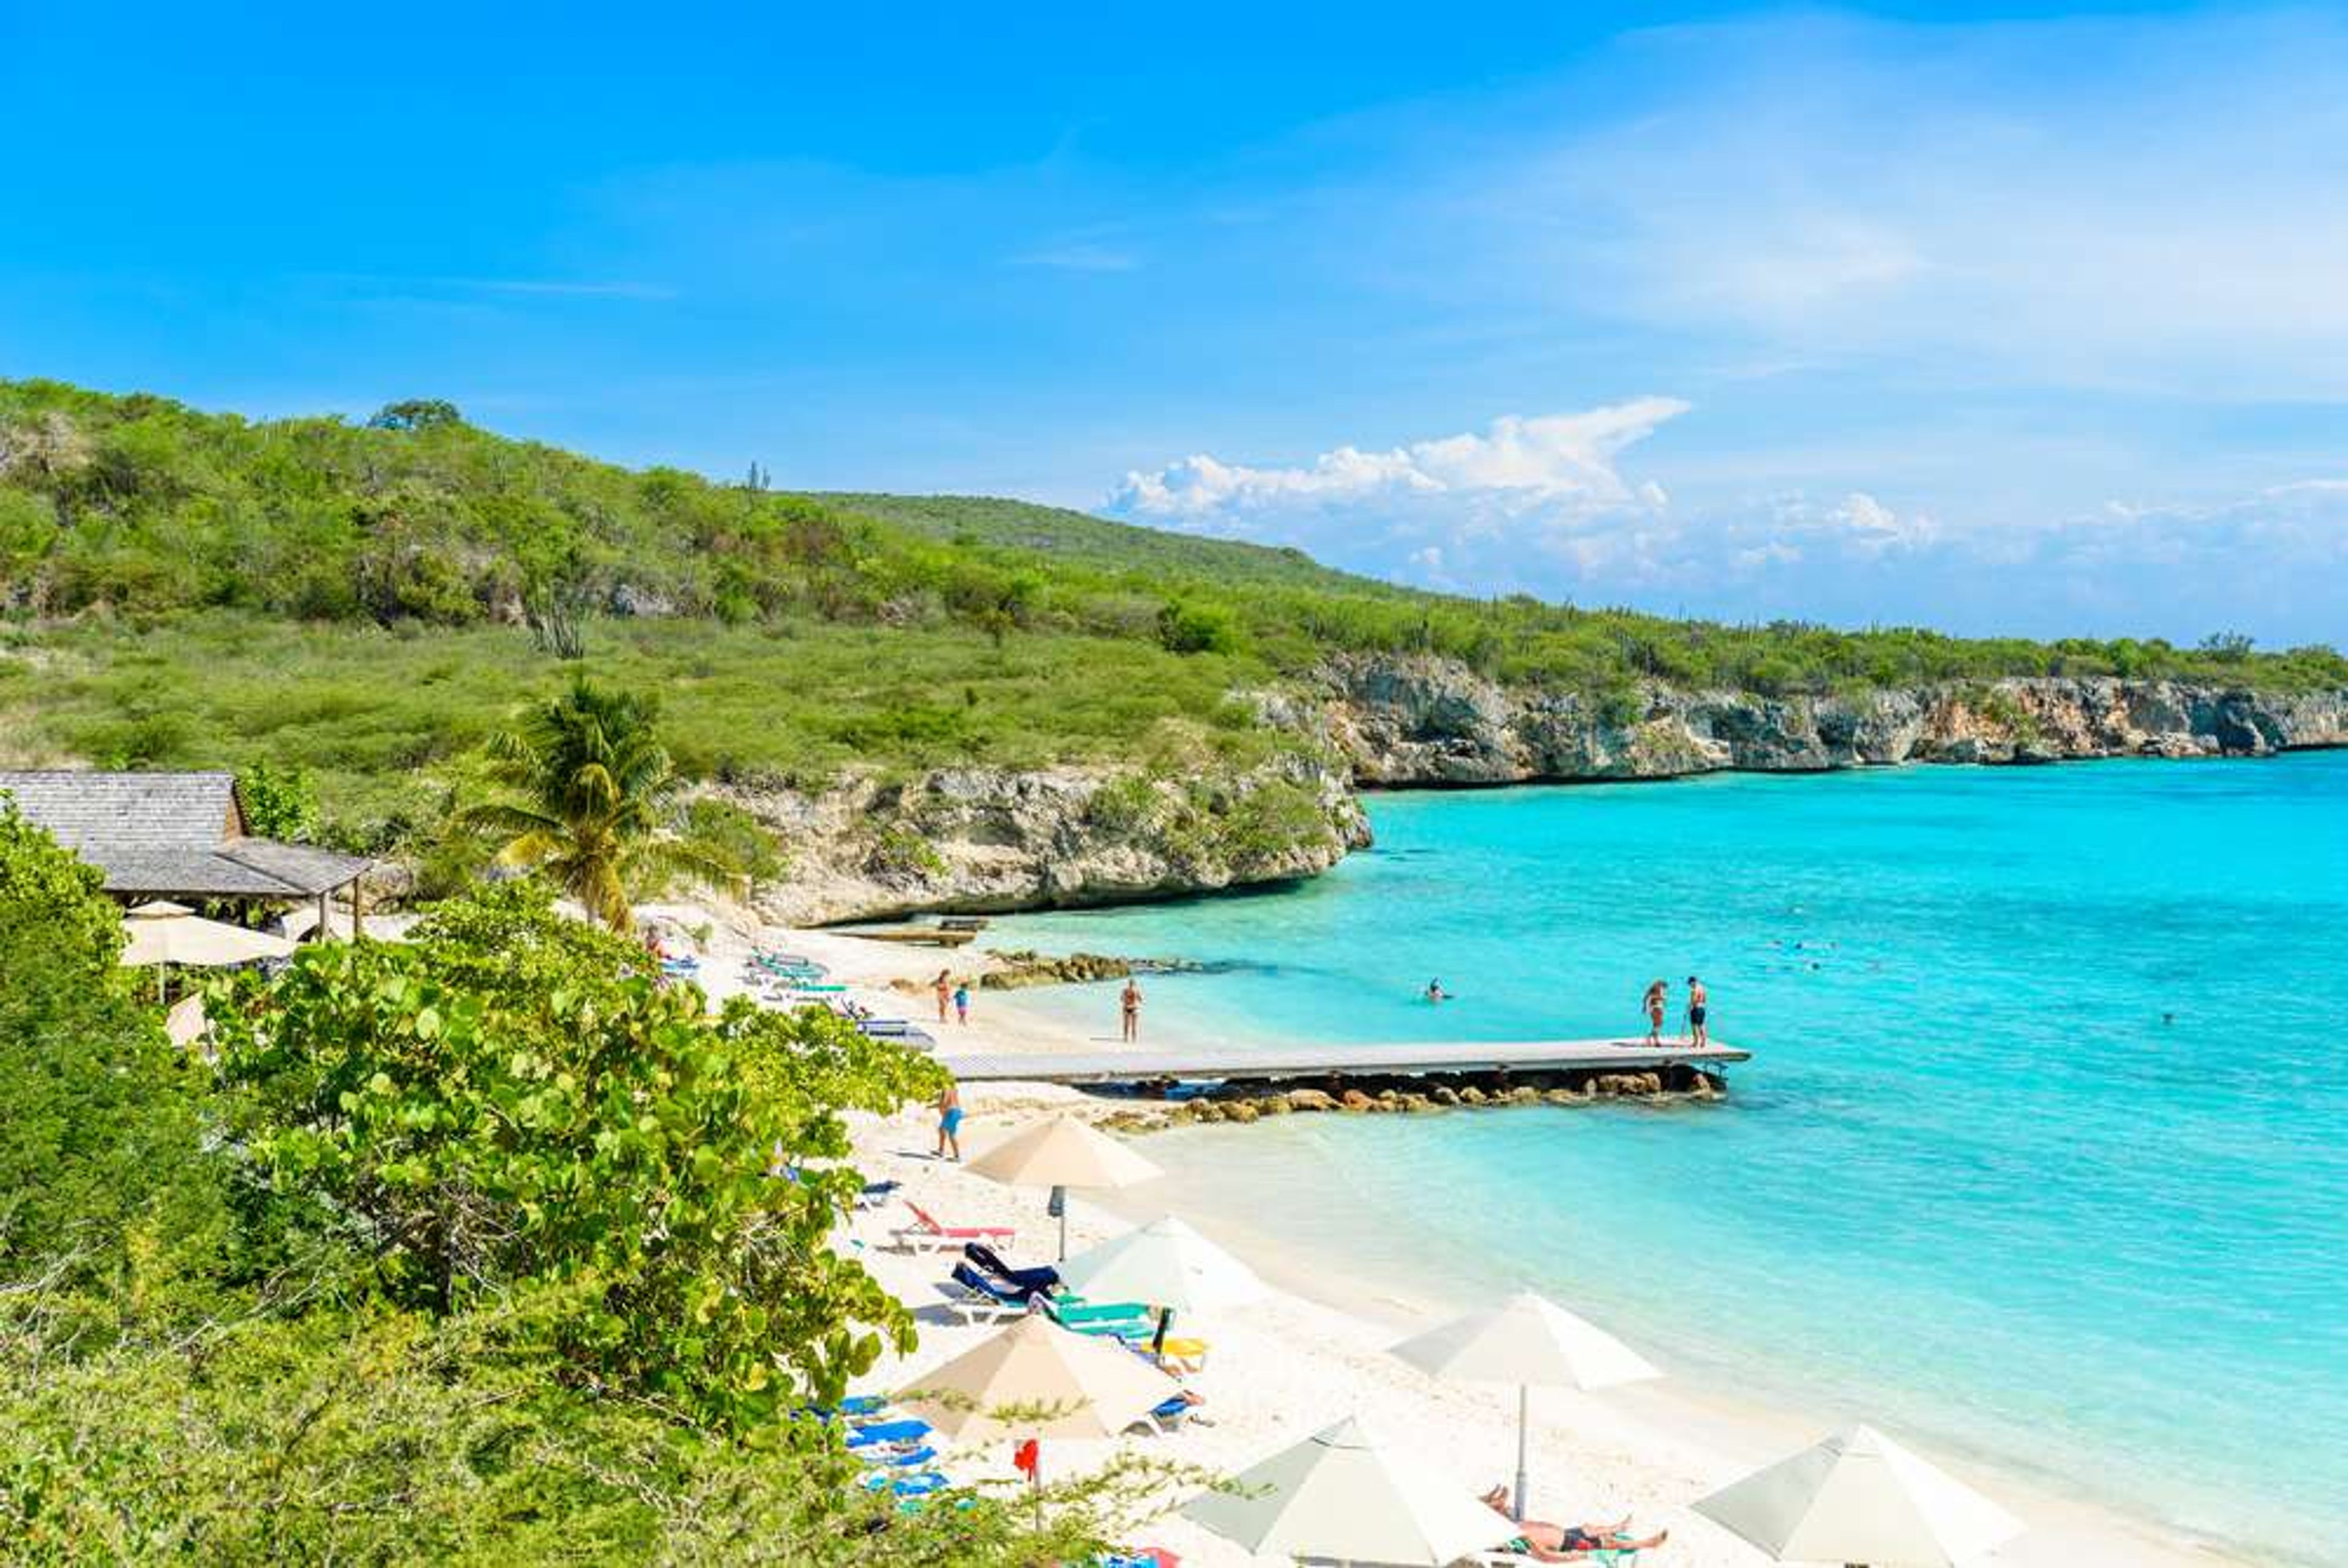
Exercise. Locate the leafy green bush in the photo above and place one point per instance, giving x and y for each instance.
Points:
(507, 1102)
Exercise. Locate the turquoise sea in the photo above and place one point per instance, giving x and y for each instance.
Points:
(2044, 1156)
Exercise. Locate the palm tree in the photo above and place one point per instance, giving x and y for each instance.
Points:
(593, 800)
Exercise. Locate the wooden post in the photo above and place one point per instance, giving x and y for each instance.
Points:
(358, 916)
(325, 930)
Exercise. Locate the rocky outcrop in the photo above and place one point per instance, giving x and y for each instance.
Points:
(990, 839)
(1407, 720)
(972, 839)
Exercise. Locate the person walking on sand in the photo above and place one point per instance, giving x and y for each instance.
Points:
(962, 1002)
(1129, 1004)
(943, 985)
(1656, 995)
(1699, 1036)
(949, 1122)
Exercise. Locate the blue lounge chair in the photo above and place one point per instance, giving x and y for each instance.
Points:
(880, 1433)
(978, 1299)
(987, 1261)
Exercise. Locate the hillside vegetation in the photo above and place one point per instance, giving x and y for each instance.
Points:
(367, 600)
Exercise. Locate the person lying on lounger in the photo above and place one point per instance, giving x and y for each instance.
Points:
(1545, 1543)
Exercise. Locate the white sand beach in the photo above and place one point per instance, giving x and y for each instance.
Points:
(1315, 1352)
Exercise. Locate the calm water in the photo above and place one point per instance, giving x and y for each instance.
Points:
(2045, 1155)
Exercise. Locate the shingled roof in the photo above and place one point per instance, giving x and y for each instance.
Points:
(158, 835)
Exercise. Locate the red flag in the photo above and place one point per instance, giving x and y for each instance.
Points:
(1024, 1456)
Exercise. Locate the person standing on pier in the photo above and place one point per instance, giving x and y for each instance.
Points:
(1698, 1036)
(1657, 994)
(1128, 1002)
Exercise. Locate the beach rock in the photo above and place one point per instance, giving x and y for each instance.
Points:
(1418, 1105)
(1241, 1111)
(1354, 1099)
(1444, 1094)
(1562, 1097)
(1270, 1105)
(1310, 1100)
(1524, 1094)
(1471, 1095)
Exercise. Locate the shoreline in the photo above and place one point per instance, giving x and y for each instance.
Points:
(1650, 1449)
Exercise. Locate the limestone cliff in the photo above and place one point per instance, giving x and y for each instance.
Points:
(1431, 722)
(988, 839)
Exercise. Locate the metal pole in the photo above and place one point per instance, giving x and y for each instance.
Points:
(1060, 1202)
(1524, 1407)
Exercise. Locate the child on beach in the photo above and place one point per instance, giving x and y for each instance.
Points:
(962, 1003)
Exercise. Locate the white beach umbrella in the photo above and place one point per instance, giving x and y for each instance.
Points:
(1059, 1153)
(1036, 1378)
(163, 933)
(1340, 1495)
(1166, 1263)
(1859, 1498)
(1527, 1340)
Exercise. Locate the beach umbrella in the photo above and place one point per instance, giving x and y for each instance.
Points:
(1166, 1263)
(163, 934)
(1037, 1378)
(1859, 1498)
(1060, 1153)
(1341, 1495)
(1527, 1340)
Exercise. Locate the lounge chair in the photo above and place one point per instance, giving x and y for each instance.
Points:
(879, 1434)
(1099, 1316)
(1166, 1417)
(987, 1261)
(925, 1233)
(921, 1485)
(896, 1457)
(978, 1299)
(1605, 1556)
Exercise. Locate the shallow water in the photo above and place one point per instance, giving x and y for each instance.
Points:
(2042, 1155)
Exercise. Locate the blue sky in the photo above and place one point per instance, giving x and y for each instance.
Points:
(1987, 318)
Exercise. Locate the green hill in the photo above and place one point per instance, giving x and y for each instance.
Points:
(368, 599)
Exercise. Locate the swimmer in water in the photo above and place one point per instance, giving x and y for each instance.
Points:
(1436, 993)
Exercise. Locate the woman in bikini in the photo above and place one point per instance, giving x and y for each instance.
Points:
(1657, 994)
(1545, 1542)
(943, 985)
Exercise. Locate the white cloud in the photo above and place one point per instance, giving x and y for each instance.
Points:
(1547, 459)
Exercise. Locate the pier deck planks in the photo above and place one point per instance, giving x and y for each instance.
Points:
(1291, 1062)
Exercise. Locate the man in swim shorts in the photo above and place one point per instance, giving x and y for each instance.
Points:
(1698, 1036)
(949, 1122)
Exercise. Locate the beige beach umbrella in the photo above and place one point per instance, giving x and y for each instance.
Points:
(163, 934)
(1530, 1341)
(1166, 1263)
(1341, 1495)
(1859, 1498)
(1036, 1378)
(1060, 1153)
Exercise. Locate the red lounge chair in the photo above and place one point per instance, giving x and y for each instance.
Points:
(925, 1233)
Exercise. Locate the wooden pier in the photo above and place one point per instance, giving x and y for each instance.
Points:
(1291, 1063)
